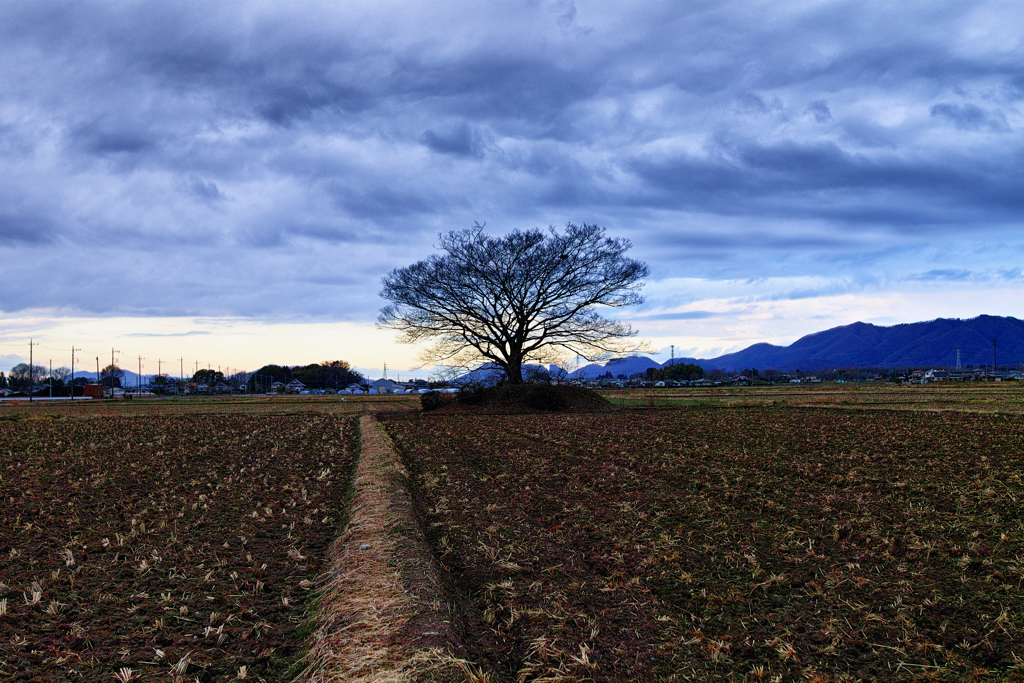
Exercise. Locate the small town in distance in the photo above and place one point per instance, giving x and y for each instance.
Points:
(938, 351)
(635, 372)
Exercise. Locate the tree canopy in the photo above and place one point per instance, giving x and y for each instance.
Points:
(528, 296)
(111, 376)
(678, 371)
(60, 374)
(331, 374)
(207, 376)
(20, 374)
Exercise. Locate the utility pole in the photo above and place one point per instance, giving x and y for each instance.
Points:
(181, 376)
(140, 375)
(673, 361)
(73, 349)
(31, 369)
(111, 372)
(98, 373)
(51, 378)
(994, 364)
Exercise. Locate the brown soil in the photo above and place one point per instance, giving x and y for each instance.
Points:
(742, 544)
(165, 548)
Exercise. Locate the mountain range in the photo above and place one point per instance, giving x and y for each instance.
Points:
(862, 345)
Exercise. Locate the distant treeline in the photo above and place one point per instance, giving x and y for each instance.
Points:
(678, 371)
(333, 374)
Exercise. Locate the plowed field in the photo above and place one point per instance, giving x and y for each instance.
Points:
(164, 548)
(729, 544)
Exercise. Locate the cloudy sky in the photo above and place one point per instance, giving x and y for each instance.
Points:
(227, 182)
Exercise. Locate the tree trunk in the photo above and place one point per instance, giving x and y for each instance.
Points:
(514, 371)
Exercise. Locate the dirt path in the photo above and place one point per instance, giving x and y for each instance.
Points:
(382, 615)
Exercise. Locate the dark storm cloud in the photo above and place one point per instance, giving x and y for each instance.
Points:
(311, 147)
(204, 189)
(106, 140)
(816, 179)
(458, 139)
(820, 110)
(970, 117)
(31, 229)
(380, 202)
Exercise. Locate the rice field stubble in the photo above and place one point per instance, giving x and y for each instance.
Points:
(171, 548)
(746, 543)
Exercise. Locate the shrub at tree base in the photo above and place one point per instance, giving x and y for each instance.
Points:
(524, 398)
(432, 400)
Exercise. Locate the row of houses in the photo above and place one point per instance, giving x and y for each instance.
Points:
(379, 386)
(295, 386)
(965, 375)
(172, 386)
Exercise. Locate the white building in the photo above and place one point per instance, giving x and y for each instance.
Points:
(382, 386)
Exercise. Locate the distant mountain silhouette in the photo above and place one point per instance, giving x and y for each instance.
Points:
(617, 366)
(860, 345)
(931, 343)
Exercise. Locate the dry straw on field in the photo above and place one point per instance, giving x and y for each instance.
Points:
(381, 615)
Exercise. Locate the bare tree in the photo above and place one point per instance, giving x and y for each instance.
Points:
(528, 296)
(60, 374)
(22, 375)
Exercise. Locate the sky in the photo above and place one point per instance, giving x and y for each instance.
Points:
(227, 182)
